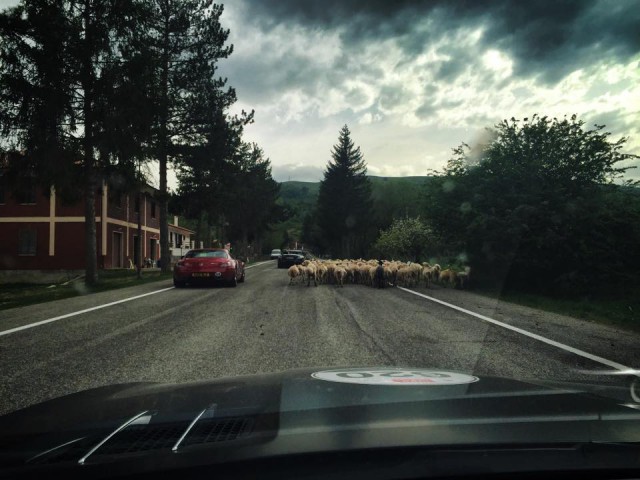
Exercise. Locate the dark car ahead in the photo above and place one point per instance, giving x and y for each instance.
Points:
(293, 257)
(208, 264)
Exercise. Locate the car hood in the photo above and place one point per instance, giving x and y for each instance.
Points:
(145, 425)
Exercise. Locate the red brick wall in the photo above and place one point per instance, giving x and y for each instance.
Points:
(69, 236)
(9, 246)
(70, 250)
(13, 209)
(67, 210)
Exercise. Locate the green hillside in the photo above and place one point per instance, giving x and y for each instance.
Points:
(392, 197)
(304, 193)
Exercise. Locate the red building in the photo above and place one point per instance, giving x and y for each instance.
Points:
(38, 231)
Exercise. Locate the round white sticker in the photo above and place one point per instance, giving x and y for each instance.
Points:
(389, 376)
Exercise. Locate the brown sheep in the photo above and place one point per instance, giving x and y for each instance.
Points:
(428, 274)
(310, 272)
(340, 274)
(294, 272)
(448, 276)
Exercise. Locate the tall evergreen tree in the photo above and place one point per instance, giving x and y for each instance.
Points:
(344, 200)
(35, 96)
(58, 64)
(251, 203)
(187, 41)
(204, 159)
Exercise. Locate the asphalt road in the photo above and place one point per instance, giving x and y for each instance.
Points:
(265, 325)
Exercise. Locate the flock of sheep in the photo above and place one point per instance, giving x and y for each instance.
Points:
(375, 274)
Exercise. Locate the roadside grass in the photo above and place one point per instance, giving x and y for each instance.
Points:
(621, 310)
(22, 294)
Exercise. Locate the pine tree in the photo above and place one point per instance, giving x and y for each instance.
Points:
(344, 200)
(60, 62)
(204, 159)
(187, 41)
(253, 195)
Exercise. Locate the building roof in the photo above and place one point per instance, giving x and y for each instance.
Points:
(180, 229)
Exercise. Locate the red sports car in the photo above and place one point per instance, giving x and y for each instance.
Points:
(208, 264)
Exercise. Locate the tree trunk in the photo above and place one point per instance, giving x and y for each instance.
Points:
(165, 253)
(91, 251)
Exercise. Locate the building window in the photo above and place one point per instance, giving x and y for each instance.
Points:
(153, 209)
(27, 241)
(136, 204)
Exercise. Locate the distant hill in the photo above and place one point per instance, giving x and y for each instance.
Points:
(420, 180)
(299, 191)
(307, 192)
(392, 197)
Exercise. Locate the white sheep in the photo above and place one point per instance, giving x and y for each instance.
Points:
(309, 270)
(293, 272)
(340, 274)
(428, 275)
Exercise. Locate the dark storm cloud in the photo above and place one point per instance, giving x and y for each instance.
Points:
(545, 38)
(263, 75)
(425, 111)
(451, 69)
(391, 96)
(429, 108)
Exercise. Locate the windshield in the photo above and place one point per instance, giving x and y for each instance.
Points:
(207, 254)
(447, 186)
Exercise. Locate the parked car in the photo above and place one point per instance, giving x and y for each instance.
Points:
(275, 253)
(293, 257)
(208, 264)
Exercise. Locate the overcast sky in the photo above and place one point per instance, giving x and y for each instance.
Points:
(413, 79)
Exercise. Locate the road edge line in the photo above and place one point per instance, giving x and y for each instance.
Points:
(535, 336)
(257, 264)
(79, 312)
(86, 310)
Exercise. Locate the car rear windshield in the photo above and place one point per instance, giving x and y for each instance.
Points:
(207, 254)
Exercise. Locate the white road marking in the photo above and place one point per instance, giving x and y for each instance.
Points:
(535, 336)
(86, 310)
(79, 312)
(257, 264)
